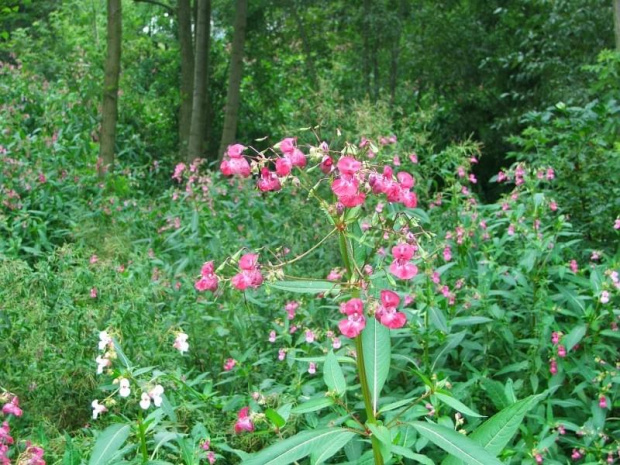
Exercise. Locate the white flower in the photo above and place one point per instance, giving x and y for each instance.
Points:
(104, 340)
(145, 401)
(101, 364)
(604, 297)
(124, 389)
(97, 408)
(180, 343)
(156, 394)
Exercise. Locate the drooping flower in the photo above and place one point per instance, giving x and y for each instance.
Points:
(402, 267)
(180, 343)
(229, 364)
(97, 409)
(12, 407)
(145, 401)
(312, 368)
(387, 313)
(268, 181)
(208, 279)
(244, 421)
(104, 340)
(124, 389)
(156, 394)
(355, 322)
(102, 363)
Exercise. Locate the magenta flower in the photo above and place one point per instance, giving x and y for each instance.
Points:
(268, 181)
(401, 267)
(387, 314)
(235, 164)
(12, 407)
(229, 364)
(348, 166)
(244, 421)
(355, 322)
(235, 151)
(288, 145)
(208, 279)
(283, 166)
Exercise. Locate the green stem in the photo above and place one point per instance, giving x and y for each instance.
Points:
(142, 434)
(359, 349)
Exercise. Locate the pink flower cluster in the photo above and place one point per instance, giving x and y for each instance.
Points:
(349, 185)
(5, 441)
(12, 407)
(235, 164)
(208, 279)
(249, 275)
(387, 314)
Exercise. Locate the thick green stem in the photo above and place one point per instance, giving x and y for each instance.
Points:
(142, 433)
(359, 349)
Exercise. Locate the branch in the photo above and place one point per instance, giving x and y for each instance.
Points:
(155, 2)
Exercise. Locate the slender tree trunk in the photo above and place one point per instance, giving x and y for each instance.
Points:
(306, 45)
(184, 18)
(203, 32)
(231, 115)
(109, 113)
(617, 22)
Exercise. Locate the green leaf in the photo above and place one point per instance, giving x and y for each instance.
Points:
(275, 418)
(495, 433)
(403, 451)
(108, 443)
(457, 405)
(332, 374)
(313, 405)
(455, 443)
(121, 355)
(438, 319)
(329, 447)
(306, 287)
(377, 351)
(573, 338)
(469, 320)
(299, 446)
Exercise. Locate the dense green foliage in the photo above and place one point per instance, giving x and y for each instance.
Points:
(513, 314)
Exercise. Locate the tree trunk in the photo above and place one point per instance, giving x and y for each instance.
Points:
(203, 33)
(396, 51)
(234, 83)
(617, 22)
(184, 18)
(109, 113)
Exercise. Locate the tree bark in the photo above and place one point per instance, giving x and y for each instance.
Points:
(109, 114)
(203, 33)
(617, 22)
(231, 115)
(184, 19)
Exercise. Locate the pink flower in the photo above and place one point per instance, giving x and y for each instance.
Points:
(447, 254)
(555, 338)
(312, 368)
(538, 458)
(604, 297)
(413, 157)
(602, 402)
(355, 322)
(248, 262)
(268, 181)
(617, 223)
(573, 266)
(12, 407)
(178, 172)
(211, 457)
(208, 280)
(561, 351)
(310, 336)
(284, 166)
(93, 259)
(406, 180)
(247, 279)
(387, 314)
(288, 145)
(336, 343)
(334, 275)
(501, 176)
(281, 354)
(235, 151)
(93, 293)
(327, 164)
(553, 367)
(401, 267)
(553, 206)
(229, 364)
(348, 165)
(575, 455)
(244, 422)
